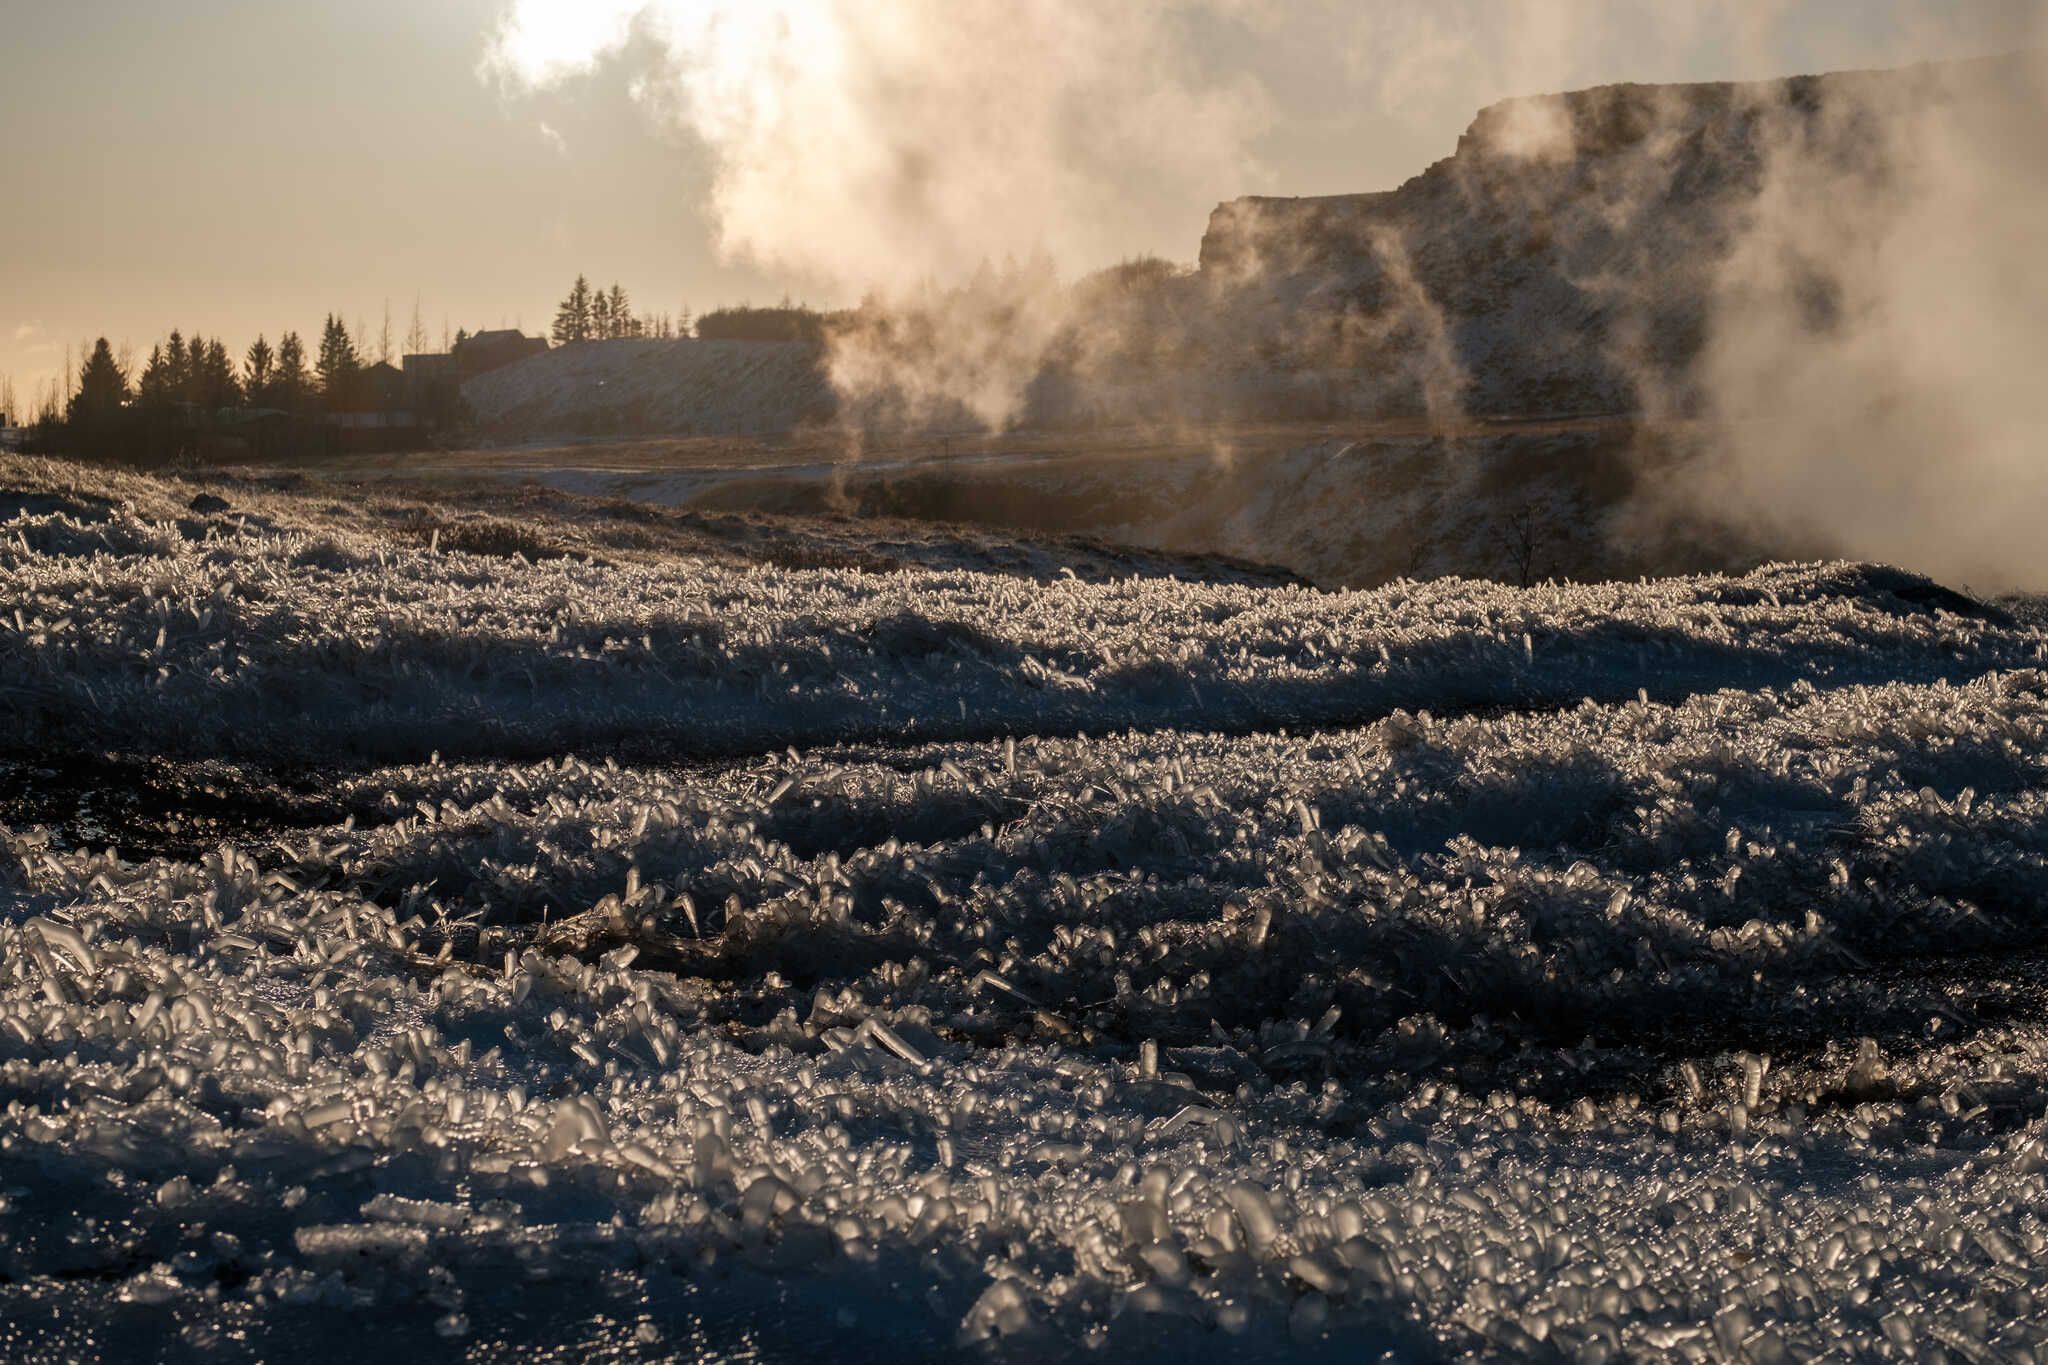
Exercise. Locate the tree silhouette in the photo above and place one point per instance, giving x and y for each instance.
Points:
(337, 366)
(153, 391)
(96, 410)
(216, 386)
(416, 335)
(573, 319)
(177, 369)
(258, 364)
(291, 385)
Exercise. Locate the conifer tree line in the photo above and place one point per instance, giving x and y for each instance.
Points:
(588, 314)
(193, 386)
(201, 374)
(591, 314)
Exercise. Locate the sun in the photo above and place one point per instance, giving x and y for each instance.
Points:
(544, 40)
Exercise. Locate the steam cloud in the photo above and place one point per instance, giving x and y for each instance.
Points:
(1872, 351)
(886, 146)
(871, 144)
(1874, 369)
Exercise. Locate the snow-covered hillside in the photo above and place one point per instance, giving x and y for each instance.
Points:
(659, 953)
(644, 385)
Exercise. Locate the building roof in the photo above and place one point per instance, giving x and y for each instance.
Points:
(501, 334)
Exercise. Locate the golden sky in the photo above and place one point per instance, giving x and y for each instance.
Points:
(241, 166)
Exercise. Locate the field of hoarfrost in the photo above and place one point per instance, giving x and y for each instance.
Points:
(490, 938)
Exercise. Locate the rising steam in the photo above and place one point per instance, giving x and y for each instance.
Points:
(869, 146)
(1865, 344)
(1874, 368)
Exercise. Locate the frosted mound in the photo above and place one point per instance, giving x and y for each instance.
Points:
(1700, 1023)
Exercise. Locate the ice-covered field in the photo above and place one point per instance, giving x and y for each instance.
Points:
(651, 952)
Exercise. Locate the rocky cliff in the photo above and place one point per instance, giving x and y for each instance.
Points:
(1567, 257)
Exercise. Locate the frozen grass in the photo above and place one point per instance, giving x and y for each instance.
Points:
(1704, 1023)
(294, 635)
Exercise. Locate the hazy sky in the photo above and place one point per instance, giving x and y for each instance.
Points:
(236, 166)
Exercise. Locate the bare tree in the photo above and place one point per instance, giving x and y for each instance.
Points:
(416, 335)
(1519, 537)
(1418, 557)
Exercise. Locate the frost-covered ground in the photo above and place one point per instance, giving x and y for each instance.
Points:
(663, 952)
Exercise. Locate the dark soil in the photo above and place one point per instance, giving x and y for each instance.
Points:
(148, 807)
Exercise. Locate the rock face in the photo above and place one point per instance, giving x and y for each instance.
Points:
(1566, 258)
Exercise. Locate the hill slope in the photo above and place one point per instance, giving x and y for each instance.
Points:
(645, 385)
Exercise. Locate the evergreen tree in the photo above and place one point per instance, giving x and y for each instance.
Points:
(601, 323)
(686, 322)
(191, 372)
(573, 318)
(177, 370)
(620, 312)
(153, 390)
(196, 383)
(102, 393)
(290, 385)
(337, 366)
(218, 387)
(258, 364)
(159, 399)
(214, 366)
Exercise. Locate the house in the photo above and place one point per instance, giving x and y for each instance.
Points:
(383, 388)
(378, 415)
(423, 371)
(487, 351)
(433, 381)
